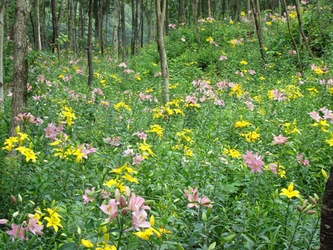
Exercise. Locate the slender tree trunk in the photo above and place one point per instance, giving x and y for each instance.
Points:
(100, 26)
(82, 25)
(134, 38)
(300, 27)
(293, 39)
(326, 225)
(141, 25)
(195, 15)
(115, 29)
(38, 42)
(2, 10)
(89, 49)
(210, 8)
(123, 29)
(256, 17)
(56, 28)
(20, 70)
(160, 6)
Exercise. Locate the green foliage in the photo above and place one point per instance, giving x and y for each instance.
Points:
(188, 160)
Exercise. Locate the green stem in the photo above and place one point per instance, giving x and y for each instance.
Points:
(294, 233)
(286, 219)
(120, 225)
(314, 230)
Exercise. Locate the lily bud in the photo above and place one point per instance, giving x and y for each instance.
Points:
(299, 208)
(13, 199)
(117, 195)
(313, 200)
(311, 212)
(122, 202)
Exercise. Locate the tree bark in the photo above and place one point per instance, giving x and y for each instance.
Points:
(38, 42)
(89, 48)
(123, 29)
(20, 70)
(55, 27)
(2, 10)
(115, 29)
(160, 18)
(300, 27)
(326, 225)
(256, 17)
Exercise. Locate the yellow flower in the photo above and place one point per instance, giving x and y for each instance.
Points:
(188, 151)
(323, 172)
(243, 62)
(110, 183)
(156, 129)
(87, 243)
(146, 148)
(28, 153)
(53, 220)
(232, 152)
(130, 178)
(236, 90)
(251, 136)
(120, 105)
(290, 192)
(322, 124)
(10, 143)
(210, 39)
(144, 234)
(268, 23)
(242, 124)
(318, 71)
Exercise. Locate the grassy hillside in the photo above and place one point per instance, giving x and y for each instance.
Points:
(237, 160)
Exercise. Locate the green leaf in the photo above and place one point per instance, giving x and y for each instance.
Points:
(212, 246)
(179, 247)
(68, 246)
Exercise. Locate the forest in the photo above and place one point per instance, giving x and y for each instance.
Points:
(166, 124)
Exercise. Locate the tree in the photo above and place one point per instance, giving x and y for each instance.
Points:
(89, 48)
(160, 6)
(2, 9)
(115, 28)
(20, 70)
(326, 225)
(123, 29)
(37, 36)
(56, 27)
(256, 17)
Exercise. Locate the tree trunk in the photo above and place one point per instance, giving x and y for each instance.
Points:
(293, 39)
(256, 17)
(123, 29)
(300, 27)
(38, 42)
(2, 10)
(115, 29)
(134, 26)
(210, 8)
(326, 225)
(20, 69)
(181, 11)
(195, 15)
(89, 49)
(56, 28)
(160, 6)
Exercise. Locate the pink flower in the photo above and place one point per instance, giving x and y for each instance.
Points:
(139, 219)
(204, 201)
(182, 39)
(280, 139)
(141, 135)
(110, 209)
(194, 200)
(3, 221)
(223, 57)
(278, 96)
(315, 116)
(136, 203)
(137, 159)
(122, 65)
(273, 167)
(301, 160)
(254, 161)
(87, 197)
(17, 232)
(34, 227)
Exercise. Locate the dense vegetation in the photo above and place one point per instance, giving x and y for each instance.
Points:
(238, 159)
